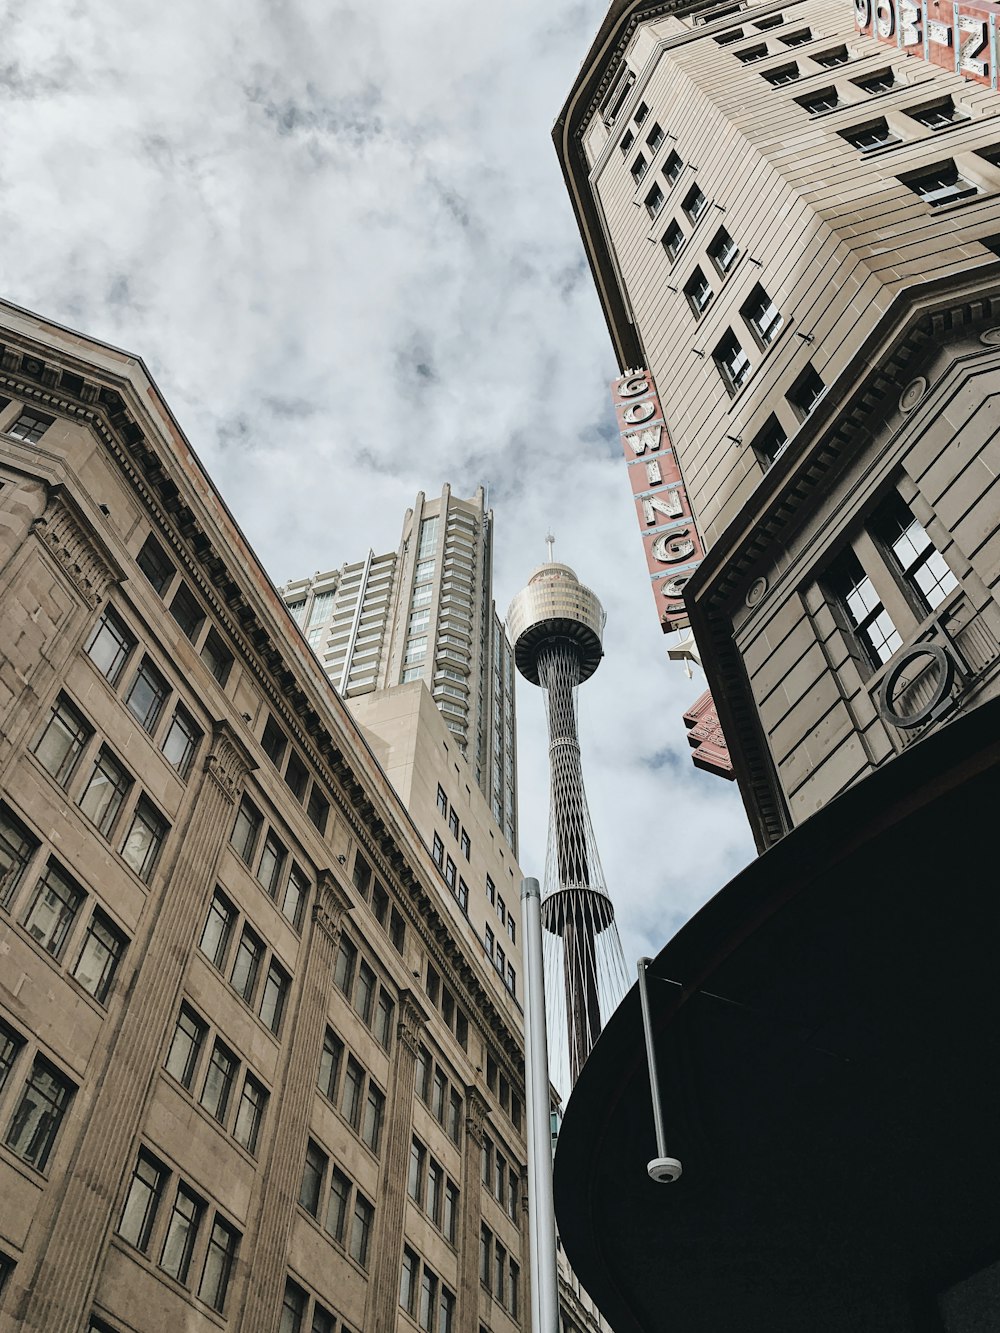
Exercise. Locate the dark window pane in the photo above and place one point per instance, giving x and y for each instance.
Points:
(30, 426)
(144, 839)
(142, 1200)
(218, 925)
(186, 610)
(106, 789)
(246, 830)
(39, 1114)
(296, 892)
(272, 1004)
(181, 742)
(102, 950)
(60, 745)
(250, 1114)
(222, 1248)
(17, 847)
(185, 1047)
(110, 645)
(219, 1082)
(182, 1231)
(147, 695)
(53, 908)
(216, 657)
(154, 564)
(247, 965)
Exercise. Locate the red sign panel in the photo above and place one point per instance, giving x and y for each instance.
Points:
(706, 739)
(957, 36)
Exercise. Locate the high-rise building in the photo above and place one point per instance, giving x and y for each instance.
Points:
(792, 215)
(257, 1071)
(425, 612)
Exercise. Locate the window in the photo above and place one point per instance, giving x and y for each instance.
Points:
(654, 139)
(250, 1114)
(293, 1307)
(882, 82)
(797, 38)
(673, 240)
(937, 115)
(694, 204)
(329, 1064)
(336, 1212)
(296, 776)
(323, 1321)
(397, 931)
(698, 292)
(462, 894)
(222, 1246)
(672, 168)
(727, 38)
(296, 892)
(485, 1254)
(53, 909)
(182, 1232)
(384, 1011)
(922, 567)
(511, 929)
(147, 696)
(219, 1081)
(142, 1201)
(641, 112)
(312, 1178)
(428, 1300)
(249, 956)
(35, 1123)
(752, 53)
(11, 1043)
(510, 980)
(155, 565)
(455, 1116)
(438, 851)
(110, 646)
(442, 802)
(415, 1176)
(762, 315)
(453, 822)
(408, 1280)
(732, 362)
(466, 845)
(860, 603)
(514, 1294)
(318, 808)
(100, 954)
(490, 941)
(837, 55)
(723, 251)
(875, 134)
(186, 610)
(639, 168)
(816, 103)
(491, 892)
(940, 185)
(450, 871)
(654, 201)
(272, 862)
(246, 830)
(144, 839)
(784, 74)
(185, 1047)
(60, 745)
(628, 139)
(371, 1127)
(771, 21)
(17, 846)
(343, 970)
(216, 657)
(361, 1229)
(181, 742)
(350, 1100)
(273, 741)
(272, 1003)
(770, 442)
(30, 426)
(218, 926)
(806, 392)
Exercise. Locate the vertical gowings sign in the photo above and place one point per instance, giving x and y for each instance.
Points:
(670, 536)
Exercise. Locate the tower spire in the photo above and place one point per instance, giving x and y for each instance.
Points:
(550, 541)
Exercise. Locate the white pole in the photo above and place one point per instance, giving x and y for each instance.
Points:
(541, 1211)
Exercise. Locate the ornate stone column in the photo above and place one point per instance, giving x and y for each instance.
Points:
(476, 1108)
(280, 1174)
(73, 1224)
(383, 1291)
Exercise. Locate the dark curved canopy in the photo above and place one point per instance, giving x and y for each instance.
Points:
(828, 1032)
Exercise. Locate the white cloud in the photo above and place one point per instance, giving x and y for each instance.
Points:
(338, 235)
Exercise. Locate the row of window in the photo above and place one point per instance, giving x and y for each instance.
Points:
(347, 1085)
(760, 25)
(331, 1197)
(499, 1177)
(500, 907)
(498, 1272)
(217, 1075)
(499, 1084)
(52, 909)
(433, 1190)
(356, 980)
(500, 961)
(176, 1239)
(289, 764)
(424, 1296)
(110, 647)
(449, 870)
(376, 895)
(296, 1309)
(42, 1105)
(441, 1098)
(281, 878)
(248, 963)
(29, 425)
(877, 134)
(185, 608)
(442, 999)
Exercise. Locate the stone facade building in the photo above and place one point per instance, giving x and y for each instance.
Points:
(256, 1071)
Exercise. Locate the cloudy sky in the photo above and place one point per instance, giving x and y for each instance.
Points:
(337, 235)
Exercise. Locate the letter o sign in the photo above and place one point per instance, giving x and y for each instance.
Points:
(885, 17)
(863, 13)
(633, 386)
(639, 412)
(673, 546)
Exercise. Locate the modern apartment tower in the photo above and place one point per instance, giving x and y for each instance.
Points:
(557, 626)
(792, 215)
(425, 612)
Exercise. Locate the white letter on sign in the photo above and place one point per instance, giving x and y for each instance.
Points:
(909, 23)
(653, 474)
(668, 504)
(641, 440)
(972, 37)
(885, 18)
(638, 413)
(673, 546)
(633, 386)
(675, 587)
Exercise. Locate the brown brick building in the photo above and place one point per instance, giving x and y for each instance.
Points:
(256, 1070)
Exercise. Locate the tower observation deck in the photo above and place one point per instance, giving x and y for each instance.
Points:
(557, 627)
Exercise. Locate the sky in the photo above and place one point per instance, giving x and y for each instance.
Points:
(337, 235)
